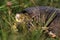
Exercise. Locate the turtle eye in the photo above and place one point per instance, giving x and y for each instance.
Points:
(17, 16)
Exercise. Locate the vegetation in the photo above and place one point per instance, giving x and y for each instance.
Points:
(8, 29)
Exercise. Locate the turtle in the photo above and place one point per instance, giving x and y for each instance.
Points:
(43, 13)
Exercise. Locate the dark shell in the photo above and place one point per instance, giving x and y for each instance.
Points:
(44, 13)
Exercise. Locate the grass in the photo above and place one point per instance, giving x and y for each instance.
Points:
(8, 30)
